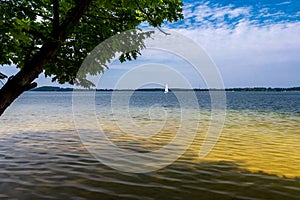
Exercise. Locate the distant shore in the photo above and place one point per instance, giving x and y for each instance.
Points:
(247, 89)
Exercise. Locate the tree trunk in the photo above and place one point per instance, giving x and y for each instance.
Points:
(10, 91)
(23, 80)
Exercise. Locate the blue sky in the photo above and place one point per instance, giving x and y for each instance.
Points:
(252, 43)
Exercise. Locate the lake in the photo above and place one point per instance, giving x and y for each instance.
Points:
(256, 156)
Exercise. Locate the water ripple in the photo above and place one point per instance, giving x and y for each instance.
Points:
(256, 158)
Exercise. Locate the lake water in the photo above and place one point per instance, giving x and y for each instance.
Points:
(257, 155)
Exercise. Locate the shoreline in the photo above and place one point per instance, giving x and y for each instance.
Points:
(246, 89)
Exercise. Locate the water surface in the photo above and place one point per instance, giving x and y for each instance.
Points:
(256, 157)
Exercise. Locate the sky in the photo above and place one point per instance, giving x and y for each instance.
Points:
(251, 43)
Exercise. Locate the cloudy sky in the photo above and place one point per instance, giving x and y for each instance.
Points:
(252, 43)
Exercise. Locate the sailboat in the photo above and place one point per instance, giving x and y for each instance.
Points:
(166, 88)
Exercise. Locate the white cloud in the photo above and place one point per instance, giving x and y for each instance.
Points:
(247, 55)
(284, 3)
(249, 47)
(206, 15)
(248, 50)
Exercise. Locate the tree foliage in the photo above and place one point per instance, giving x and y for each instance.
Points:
(26, 26)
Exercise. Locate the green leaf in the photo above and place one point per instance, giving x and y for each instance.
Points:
(25, 26)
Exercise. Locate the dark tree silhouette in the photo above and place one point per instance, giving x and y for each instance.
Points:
(54, 37)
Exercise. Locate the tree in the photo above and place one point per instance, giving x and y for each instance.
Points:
(2, 76)
(54, 36)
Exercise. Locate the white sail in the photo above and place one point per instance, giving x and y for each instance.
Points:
(166, 88)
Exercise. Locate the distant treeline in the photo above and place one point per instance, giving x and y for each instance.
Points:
(51, 89)
(264, 89)
(267, 89)
(213, 89)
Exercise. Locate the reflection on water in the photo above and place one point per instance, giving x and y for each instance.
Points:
(41, 156)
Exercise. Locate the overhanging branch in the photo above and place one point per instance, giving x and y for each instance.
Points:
(73, 18)
(55, 17)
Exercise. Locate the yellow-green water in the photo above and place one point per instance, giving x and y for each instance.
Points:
(264, 142)
(257, 156)
(256, 141)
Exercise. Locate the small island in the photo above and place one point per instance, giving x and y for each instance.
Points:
(51, 89)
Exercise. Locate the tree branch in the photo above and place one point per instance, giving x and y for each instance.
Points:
(164, 32)
(36, 34)
(29, 51)
(150, 19)
(35, 66)
(73, 18)
(55, 17)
